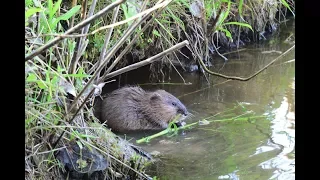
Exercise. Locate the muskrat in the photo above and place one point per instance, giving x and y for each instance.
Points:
(131, 108)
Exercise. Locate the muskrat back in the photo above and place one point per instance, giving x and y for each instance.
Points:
(131, 108)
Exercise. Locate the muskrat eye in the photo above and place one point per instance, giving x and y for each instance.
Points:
(174, 104)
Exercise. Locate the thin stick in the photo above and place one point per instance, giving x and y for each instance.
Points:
(80, 42)
(108, 36)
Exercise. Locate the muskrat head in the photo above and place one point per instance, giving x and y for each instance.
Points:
(167, 106)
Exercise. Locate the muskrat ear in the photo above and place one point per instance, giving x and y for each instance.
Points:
(155, 96)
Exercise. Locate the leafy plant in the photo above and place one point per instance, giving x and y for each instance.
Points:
(220, 26)
(49, 18)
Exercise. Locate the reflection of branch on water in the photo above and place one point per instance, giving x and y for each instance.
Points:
(172, 84)
(238, 50)
(240, 78)
(272, 51)
(290, 61)
(204, 88)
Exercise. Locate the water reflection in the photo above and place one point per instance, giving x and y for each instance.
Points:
(283, 134)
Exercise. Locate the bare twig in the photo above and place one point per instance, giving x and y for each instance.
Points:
(75, 28)
(108, 36)
(215, 48)
(80, 42)
(176, 70)
(74, 3)
(86, 28)
(84, 9)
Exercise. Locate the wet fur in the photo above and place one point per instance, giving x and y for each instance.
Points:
(132, 108)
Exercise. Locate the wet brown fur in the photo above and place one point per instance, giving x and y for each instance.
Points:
(132, 108)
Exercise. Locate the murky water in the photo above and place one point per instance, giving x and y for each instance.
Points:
(261, 148)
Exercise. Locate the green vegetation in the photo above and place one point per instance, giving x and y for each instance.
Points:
(69, 58)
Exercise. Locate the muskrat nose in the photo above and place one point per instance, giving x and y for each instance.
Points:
(183, 111)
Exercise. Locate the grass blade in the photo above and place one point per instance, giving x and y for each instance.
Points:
(240, 24)
(287, 6)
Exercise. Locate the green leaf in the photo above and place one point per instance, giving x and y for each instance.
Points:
(55, 80)
(129, 10)
(216, 5)
(228, 34)
(67, 15)
(31, 11)
(240, 24)
(31, 78)
(184, 2)
(168, 31)
(225, 15)
(125, 10)
(81, 163)
(37, 3)
(80, 145)
(41, 85)
(155, 32)
(176, 19)
(60, 69)
(240, 7)
(50, 4)
(72, 136)
(55, 8)
(81, 71)
(132, 10)
(287, 6)
(28, 3)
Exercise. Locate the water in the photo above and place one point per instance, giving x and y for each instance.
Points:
(258, 149)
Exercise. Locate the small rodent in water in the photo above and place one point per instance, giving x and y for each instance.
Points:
(131, 108)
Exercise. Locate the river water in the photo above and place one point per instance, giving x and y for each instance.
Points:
(262, 148)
